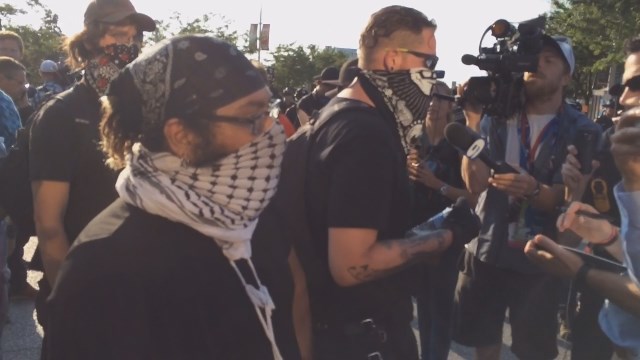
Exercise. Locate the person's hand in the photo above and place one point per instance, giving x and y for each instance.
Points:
(596, 231)
(625, 145)
(413, 162)
(518, 185)
(553, 259)
(573, 179)
(426, 177)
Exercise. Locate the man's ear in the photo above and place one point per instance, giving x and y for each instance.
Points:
(390, 60)
(178, 138)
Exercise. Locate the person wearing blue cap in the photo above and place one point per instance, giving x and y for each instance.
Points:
(495, 274)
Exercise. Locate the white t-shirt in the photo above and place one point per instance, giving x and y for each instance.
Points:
(536, 124)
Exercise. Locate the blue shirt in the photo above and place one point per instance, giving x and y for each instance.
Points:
(492, 244)
(46, 91)
(9, 122)
(620, 326)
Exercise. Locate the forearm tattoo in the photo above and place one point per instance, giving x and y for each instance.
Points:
(409, 250)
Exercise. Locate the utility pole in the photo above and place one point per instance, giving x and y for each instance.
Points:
(259, 34)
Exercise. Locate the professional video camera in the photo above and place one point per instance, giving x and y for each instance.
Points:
(515, 52)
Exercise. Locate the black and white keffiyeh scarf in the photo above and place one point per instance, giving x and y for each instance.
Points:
(407, 94)
(222, 202)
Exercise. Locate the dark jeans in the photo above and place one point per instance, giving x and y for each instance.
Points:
(338, 342)
(435, 307)
(17, 265)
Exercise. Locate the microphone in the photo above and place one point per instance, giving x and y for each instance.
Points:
(473, 146)
(468, 59)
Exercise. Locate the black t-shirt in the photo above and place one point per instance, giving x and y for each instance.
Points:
(139, 286)
(356, 178)
(64, 146)
(599, 191)
(605, 122)
(311, 103)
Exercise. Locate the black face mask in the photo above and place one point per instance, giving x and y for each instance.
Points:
(407, 94)
(101, 70)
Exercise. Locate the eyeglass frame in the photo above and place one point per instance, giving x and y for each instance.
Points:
(250, 122)
(430, 60)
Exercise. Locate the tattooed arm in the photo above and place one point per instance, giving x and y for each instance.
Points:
(356, 257)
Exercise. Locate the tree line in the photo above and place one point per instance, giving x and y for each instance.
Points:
(597, 28)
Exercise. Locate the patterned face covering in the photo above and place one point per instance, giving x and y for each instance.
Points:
(100, 71)
(407, 93)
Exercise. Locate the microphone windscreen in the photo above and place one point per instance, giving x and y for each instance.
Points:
(459, 136)
(469, 59)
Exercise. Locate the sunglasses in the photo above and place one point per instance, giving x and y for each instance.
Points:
(633, 84)
(255, 123)
(430, 60)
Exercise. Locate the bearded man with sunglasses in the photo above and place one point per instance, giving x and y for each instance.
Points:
(357, 195)
(496, 275)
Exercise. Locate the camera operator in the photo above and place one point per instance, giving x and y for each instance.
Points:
(496, 275)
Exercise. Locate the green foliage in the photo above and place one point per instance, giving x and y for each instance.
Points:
(40, 43)
(209, 23)
(598, 29)
(295, 66)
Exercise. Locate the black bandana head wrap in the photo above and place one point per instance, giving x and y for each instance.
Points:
(186, 76)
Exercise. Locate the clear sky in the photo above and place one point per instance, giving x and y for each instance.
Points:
(332, 22)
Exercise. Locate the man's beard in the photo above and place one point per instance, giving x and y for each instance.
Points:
(540, 89)
(207, 153)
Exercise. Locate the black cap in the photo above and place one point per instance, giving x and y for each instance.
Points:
(348, 72)
(329, 73)
(114, 11)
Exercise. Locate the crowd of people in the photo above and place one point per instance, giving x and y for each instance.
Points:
(185, 209)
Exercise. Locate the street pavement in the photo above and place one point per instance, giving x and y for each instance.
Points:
(22, 336)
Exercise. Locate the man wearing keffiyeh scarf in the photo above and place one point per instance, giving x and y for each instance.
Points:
(189, 122)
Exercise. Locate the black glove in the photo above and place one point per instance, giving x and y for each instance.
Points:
(463, 223)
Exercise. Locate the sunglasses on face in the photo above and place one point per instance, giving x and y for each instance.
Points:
(633, 84)
(430, 60)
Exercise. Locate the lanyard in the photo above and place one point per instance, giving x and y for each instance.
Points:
(527, 150)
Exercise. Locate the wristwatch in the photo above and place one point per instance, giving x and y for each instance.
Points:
(443, 189)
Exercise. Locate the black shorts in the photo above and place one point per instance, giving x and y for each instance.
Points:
(484, 293)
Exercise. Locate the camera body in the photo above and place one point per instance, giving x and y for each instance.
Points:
(515, 52)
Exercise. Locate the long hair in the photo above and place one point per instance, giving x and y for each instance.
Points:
(84, 46)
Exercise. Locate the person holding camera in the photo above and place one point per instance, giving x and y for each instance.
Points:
(495, 274)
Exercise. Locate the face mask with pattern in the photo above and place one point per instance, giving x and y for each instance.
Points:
(101, 70)
(407, 93)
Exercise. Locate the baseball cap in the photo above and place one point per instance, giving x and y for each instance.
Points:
(48, 66)
(348, 72)
(609, 104)
(113, 11)
(329, 73)
(563, 44)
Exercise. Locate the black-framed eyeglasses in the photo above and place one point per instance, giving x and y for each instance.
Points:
(430, 60)
(633, 84)
(255, 123)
